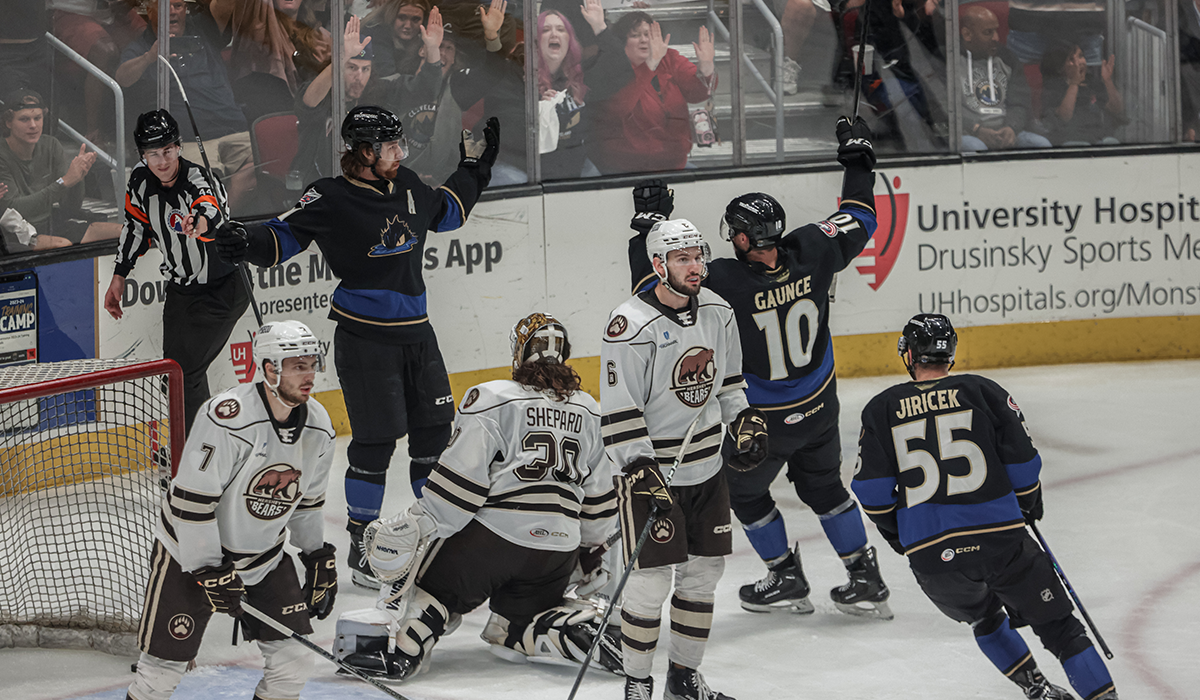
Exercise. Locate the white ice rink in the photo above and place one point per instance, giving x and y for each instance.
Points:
(1121, 451)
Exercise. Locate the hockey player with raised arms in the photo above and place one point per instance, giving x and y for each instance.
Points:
(252, 477)
(519, 505)
(670, 357)
(778, 286)
(371, 225)
(948, 473)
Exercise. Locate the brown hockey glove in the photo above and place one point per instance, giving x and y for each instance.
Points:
(646, 481)
(321, 586)
(653, 201)
(749, 433)
(854, 144)
(223, 587)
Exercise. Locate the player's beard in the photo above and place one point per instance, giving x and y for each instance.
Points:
(677, 281)
(385, 173)
(291, 394)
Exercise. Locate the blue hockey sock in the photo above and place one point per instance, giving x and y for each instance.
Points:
(1087, 673)
(844, 528)
(418, 487)
(1004, 648)
(768, 536)
(363, 499)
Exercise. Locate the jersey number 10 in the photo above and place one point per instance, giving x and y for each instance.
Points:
(799, 350)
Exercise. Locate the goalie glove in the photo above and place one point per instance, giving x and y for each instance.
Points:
(589, 576)
(854, 144)
(396, 546)
(646, 481)
(749, 433)
(321, 586)
(223, 587)
(653, 201)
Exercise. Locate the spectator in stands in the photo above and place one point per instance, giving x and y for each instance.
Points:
(203, 74)
(1080, 106)
(24, 51)
(995, 96)
(426, 105)
(44, 183)
(1034, 24)
(395, 28)
(1189, 67)
(566, 84)
(646, 126)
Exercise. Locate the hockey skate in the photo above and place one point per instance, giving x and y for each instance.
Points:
(639, 688)
(783, 589)
(688, 684)
(865, 595)
(387, 666)
(360, 570)
(1036, 687)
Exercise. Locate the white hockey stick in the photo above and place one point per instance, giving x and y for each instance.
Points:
(285, 630)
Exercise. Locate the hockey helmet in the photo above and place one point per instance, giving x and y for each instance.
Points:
(539, 337)
(276, 341)
(155, 130)
(675, 234)
(932, 339)
(759, 216)
(373, 125)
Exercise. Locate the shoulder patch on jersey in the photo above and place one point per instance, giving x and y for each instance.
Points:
(1013, 404)
(692, 377)
(309, 197)
(472, 397)
(273, 491)
(618, 325)
(828, 228)
(227, 409)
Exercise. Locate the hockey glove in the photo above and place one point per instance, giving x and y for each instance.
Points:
(646, 481)
(854, 144)
(223, 587)
(589, 575)
(1031, 504)
(652, 202)
(474, 153)
(396, 546)
(231, 238)
(749, 433)
(321, 586)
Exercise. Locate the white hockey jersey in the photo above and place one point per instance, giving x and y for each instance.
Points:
(658, 370)
(243, 479)
(529, 468)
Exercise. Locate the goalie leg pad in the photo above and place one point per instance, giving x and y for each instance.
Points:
(156, 678)
(561, 636)
(285, 670)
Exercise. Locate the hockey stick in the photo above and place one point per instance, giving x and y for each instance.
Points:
(637, 549)
(862, 53)
(285, 630)
(245, 271)
(1078, 603)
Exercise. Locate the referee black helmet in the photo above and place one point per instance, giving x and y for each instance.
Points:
(155, 130)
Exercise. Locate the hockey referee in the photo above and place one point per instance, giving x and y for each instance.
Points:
(371, 225)
(170, 201)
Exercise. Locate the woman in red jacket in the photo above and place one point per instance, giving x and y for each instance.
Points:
(646, 125)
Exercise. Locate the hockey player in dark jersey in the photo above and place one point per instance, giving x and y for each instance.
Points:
(948, 473)
(779, 290)
(371, 225)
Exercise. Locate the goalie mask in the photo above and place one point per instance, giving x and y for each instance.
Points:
(539, 338)
(675, 234)
(932, 340)
(278, 341)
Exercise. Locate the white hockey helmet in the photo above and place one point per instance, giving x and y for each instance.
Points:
(283, 339)
(675, 234)
(539, 337)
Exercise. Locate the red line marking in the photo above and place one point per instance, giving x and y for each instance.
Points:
(1156, 462)
(1132, 633)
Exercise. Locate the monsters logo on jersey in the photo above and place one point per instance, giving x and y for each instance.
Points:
(692, 378)
(273, 491)
(395, 236)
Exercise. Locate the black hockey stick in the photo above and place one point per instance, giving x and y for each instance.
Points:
(862, 53)
(288, 631)
(1078, 603)
(637, 549)
(245, 271)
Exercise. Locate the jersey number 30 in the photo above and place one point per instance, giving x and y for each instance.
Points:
(560, 460)
(948, 448)
(799, 350)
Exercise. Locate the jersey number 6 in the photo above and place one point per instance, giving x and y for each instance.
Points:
(948, 448)
(799, 350)
(564, 468)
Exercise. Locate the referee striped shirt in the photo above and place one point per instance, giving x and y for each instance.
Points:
(154, 213)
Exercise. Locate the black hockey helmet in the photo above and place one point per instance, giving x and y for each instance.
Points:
(932, 339)
(155, 130)
(370, 124)
(759, 216)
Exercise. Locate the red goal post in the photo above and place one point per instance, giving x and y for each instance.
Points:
(86, 448)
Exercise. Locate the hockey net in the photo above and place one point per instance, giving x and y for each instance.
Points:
(86, 447)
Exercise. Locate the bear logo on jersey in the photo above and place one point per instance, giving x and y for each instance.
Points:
(617, 326)
(273, 491)
(692, 379)
(181, 626)
(472, 397)
(395, 236)
(663, 531)
(228, 409)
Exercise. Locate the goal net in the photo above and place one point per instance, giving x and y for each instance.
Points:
(86, 447)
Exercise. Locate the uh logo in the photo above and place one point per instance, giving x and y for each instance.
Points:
(242, 355)
(879, 257)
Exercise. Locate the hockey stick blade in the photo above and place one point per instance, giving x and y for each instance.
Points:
(288, 631)
(1078, 603)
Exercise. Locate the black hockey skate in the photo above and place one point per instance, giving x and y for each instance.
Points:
(360, 570)
(865, 595)
(688, 684)
(395, 666)
(1036, 687)
(784, 589)
(639, 688)
(608, 651)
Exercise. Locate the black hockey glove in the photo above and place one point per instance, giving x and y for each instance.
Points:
(646, 481)
(232, 242)
(473, 153)
(321, 585)
(749, 433)
(1031, 505)
(653, 201)
(223, 587)
(591, 558)
(854, 144)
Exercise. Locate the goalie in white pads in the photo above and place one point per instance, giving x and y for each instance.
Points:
(521, 498)
(254, 469)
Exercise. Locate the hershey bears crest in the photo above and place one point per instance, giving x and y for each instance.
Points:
(273, 491)
(692, 377)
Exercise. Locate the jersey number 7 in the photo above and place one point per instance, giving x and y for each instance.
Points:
(948, 448)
